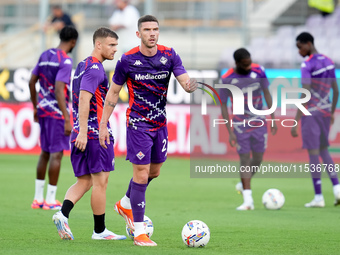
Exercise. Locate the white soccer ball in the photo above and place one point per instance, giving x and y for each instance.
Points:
(195, 234)
(148, 225)
(273, 199)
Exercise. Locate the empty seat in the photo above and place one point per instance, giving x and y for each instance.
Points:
(258, 42)
(226, 60)
(285, 31)
(317, 31)
(273, 41)
(321, 42)
(259, 55)
(300, 29)
(336, 57)
(333, 32)
(314, 20)
(334, 44)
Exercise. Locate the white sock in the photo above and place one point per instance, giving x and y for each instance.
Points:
(50, 195)
(247, 196)
(39, 190)
(139, 228)
(318, 197)
(125, 202)
(336, 190)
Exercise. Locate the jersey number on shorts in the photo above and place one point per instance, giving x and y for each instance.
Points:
(164, 147)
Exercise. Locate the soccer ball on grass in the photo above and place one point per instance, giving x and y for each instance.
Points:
(195, 233)
(273, 199)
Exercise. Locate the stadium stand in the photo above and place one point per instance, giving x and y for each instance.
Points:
(219, 25)
(278, 50)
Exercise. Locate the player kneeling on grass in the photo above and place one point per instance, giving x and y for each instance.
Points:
(318, 76)
(146, 70)
(91, 163)
(247, 139)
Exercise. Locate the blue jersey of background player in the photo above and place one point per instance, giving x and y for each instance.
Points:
(318, 76)
(247, 138)
(146, 70)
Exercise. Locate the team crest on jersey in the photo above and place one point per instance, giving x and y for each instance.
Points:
(140, 155)
(163, 60)
(253, 75)
(95, 67)
(138, 63)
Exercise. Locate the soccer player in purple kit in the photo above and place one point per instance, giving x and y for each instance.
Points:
(247, 138)
(318, 76)
(53, 71)
(146, 70)
(91, 163)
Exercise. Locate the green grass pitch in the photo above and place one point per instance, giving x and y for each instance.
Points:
(172, 200)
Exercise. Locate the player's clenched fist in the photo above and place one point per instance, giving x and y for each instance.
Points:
(191, 85)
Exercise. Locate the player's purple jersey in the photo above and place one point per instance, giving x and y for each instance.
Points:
(258, 81)
(90, 76)
(53, 65)
(147, 79)
(318, 71)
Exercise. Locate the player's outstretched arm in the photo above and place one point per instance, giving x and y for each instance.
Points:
(33, 80)
(84, 109)
(189, 85)
(60, 96)
(225, 115)
(109, 105)
(269, 102)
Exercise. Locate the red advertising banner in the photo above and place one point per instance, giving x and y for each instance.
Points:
(19, 134)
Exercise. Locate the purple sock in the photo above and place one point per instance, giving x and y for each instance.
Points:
(129, 188)
(327, 159)
(316, 176)
(137, 199)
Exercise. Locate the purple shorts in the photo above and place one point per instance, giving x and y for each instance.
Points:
(52, 138)
(93, 160)
(253, 140)
(146, 147)
(314, 131)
